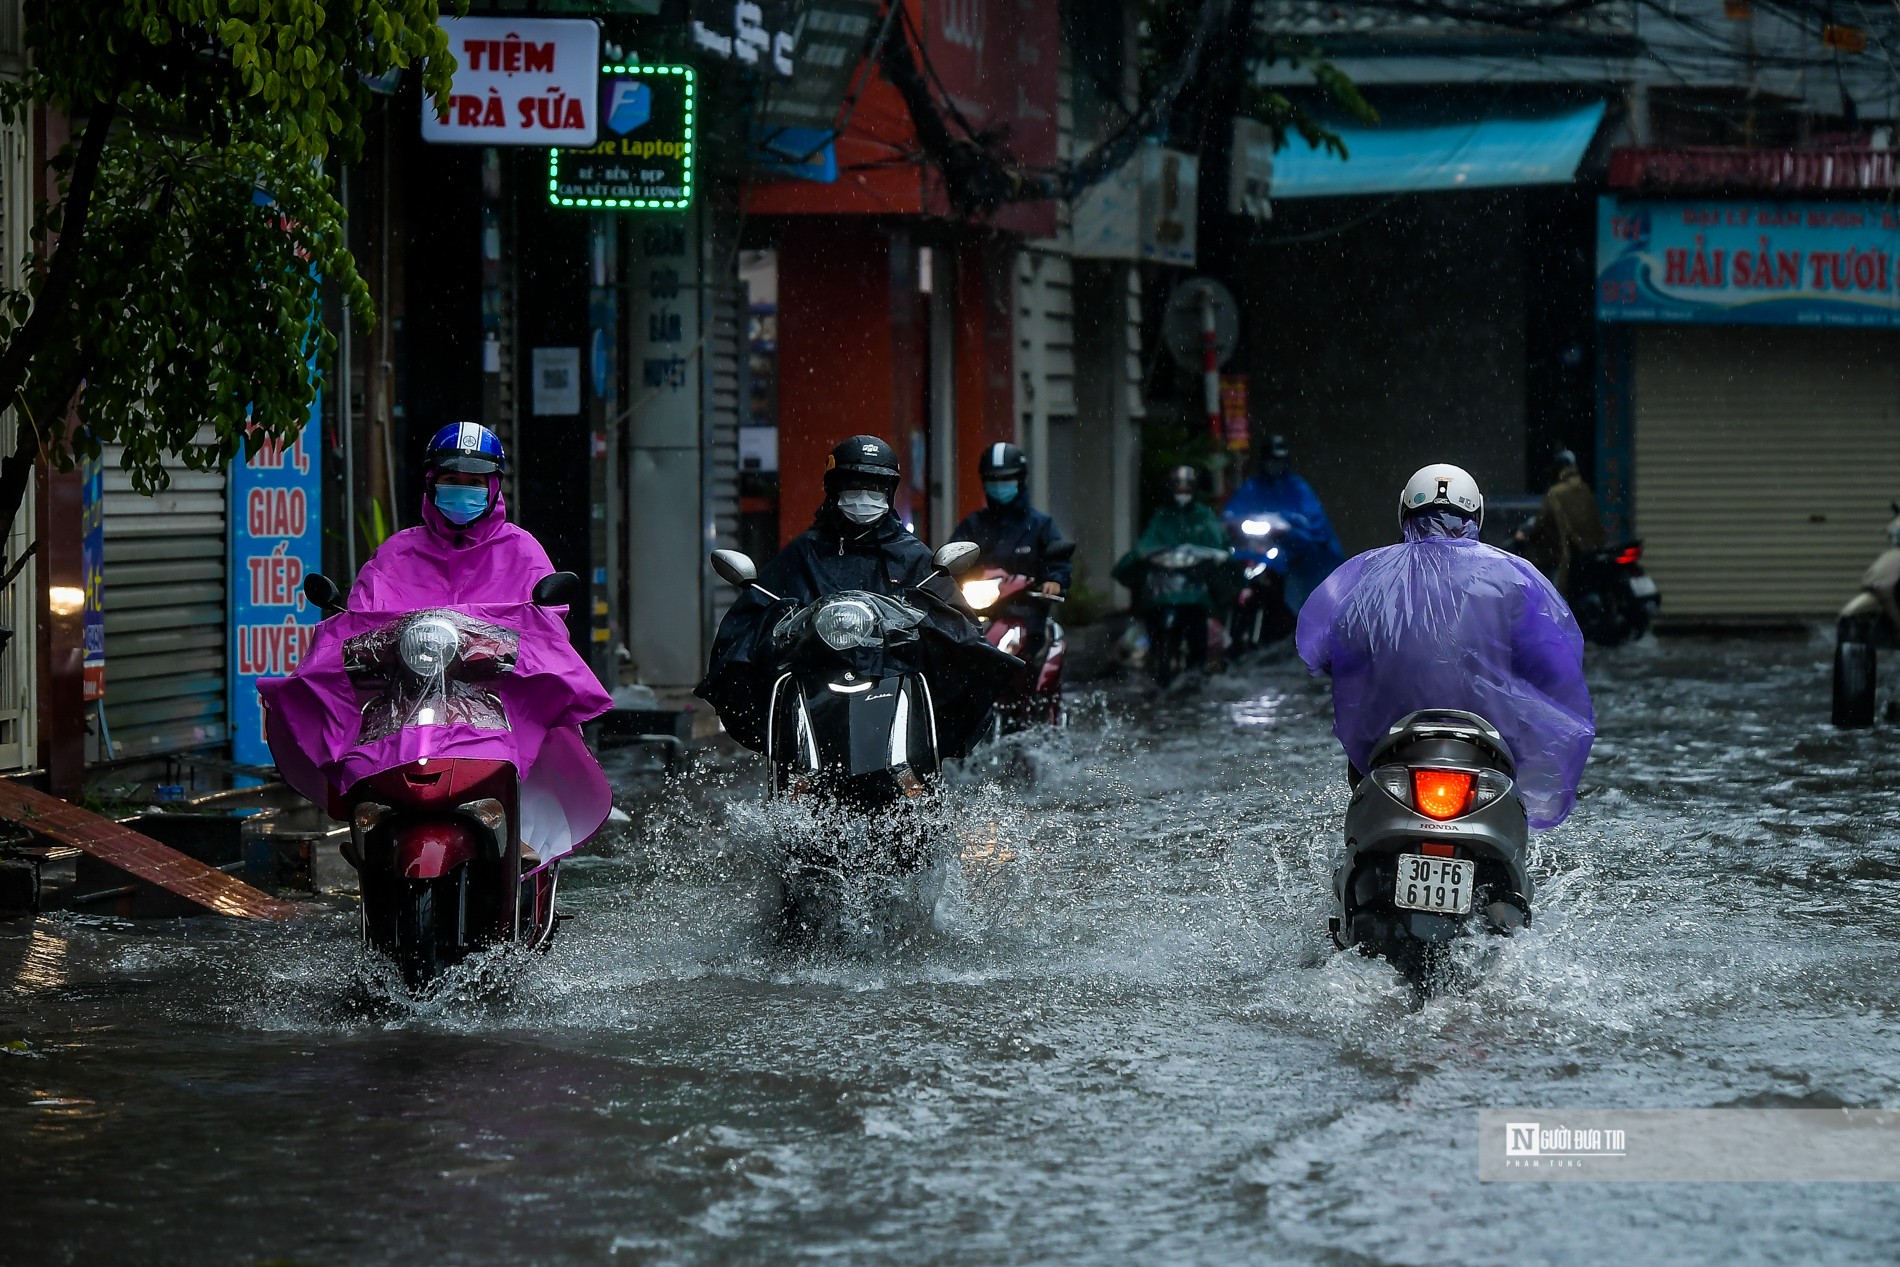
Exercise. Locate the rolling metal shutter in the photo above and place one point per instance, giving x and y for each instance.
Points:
(19, 689)
(164, 609)
(1765, 458)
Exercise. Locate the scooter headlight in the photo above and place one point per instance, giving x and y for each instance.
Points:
(846, 624)
(981, 592)
(429, 646)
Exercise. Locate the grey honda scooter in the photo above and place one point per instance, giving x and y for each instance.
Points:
(1435, 835)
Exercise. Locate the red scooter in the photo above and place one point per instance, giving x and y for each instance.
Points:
(1002, 602)
(431, 784)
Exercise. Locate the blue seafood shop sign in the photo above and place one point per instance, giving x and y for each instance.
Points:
(1758, 263)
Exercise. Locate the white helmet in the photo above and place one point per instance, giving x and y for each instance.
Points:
(1442, 486)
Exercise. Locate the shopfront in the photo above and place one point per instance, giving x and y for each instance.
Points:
(1749, 397)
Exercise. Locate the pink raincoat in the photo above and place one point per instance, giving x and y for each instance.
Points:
(484, 572)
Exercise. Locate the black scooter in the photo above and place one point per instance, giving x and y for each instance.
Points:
(1435, 835)
(852, 734)
(1863, 629)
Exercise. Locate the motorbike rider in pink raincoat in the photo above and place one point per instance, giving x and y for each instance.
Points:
(467, 558)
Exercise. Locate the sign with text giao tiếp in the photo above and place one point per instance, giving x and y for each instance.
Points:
(644, 158)
(1755, 263)
(276, 518)
(519, 81)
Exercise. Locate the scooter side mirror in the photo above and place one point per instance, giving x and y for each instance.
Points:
(735, 568)
(1060, 552)
(957, 557)
(559, 589)
(322, 592)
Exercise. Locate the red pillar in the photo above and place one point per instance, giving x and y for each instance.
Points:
(985, 351)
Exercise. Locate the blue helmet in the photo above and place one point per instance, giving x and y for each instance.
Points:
(465, 447)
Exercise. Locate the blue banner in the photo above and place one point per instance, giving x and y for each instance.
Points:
(276, 514)
(1757, 263)
(92, 550)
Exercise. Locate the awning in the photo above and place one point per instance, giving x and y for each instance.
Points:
(1461, 154)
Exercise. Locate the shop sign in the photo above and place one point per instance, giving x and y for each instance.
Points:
(92, 551)
(1233, 412)
(758, 33)
(832, 39)
(519, 81)
(644, 158)
(1144, 210)
(276, 516)
(1756, 263)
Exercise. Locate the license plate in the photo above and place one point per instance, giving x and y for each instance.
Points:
(1642, 587)
(1434, 884)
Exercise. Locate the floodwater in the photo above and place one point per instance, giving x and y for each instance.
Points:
(1125, 1038)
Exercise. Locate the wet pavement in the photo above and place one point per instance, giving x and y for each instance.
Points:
(1125, 1038)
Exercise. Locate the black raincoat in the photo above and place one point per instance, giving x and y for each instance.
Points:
(835, 554)
(1014, 537)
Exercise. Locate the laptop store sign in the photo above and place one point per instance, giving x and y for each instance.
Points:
(644, 158)
(519, 81)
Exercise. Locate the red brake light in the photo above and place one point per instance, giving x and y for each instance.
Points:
(1630, 555)
(1441, 794)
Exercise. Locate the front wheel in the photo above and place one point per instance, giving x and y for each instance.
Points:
(1165, 648)
(1854, 681)
(429, 926)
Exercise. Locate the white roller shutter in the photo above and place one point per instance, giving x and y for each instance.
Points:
(1765, 458)
(19, 691)
(164, 610)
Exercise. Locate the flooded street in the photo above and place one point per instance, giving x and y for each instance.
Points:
(1125, 1039)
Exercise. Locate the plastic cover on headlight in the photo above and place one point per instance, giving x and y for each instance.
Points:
(429, 646)
(847, 623)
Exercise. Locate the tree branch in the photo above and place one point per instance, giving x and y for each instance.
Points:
(49, 306)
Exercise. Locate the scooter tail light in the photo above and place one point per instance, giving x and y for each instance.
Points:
(1490, 786)
(1630, 555)
(1442, 794)
(1397, 782)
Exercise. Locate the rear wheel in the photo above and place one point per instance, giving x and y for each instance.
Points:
(1854, 680)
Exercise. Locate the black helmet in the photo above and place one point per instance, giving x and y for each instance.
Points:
(861, 462)
(1563, 460)
(1002, 462)
(1184, 479)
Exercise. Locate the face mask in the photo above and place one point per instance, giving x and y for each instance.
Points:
(862, 505)
(1002, 492)
(461, 503)
(1184, 499)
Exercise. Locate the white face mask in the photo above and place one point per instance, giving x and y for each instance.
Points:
(863, 505)
(1183, 499)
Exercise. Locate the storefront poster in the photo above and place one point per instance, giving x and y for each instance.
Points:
(1742, 262)
(276, 541)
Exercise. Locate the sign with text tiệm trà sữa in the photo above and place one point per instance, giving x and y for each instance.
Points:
(643, 160)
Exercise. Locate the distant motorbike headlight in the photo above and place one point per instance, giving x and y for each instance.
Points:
(981, 592)
(846, 624)
(429, 646)
(1256, 527)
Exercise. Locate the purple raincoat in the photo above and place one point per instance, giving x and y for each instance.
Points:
(1443, 621)
(484, 572)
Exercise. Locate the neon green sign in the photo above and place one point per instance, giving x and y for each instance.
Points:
(644, 158)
